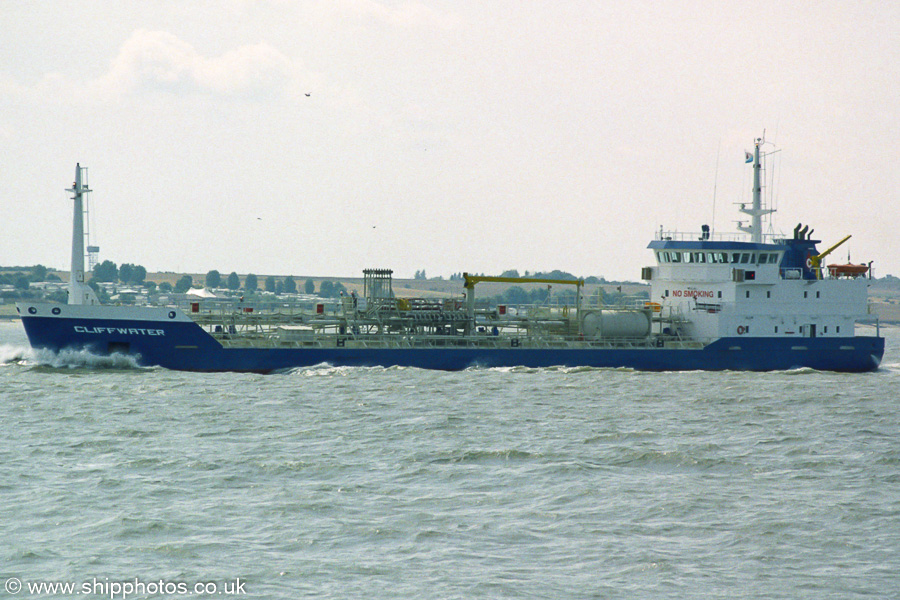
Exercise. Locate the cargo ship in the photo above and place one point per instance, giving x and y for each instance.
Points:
(750, 301)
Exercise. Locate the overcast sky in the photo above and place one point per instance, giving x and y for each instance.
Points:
(322, 138)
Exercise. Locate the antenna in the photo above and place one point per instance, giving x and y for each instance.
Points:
(769, 168)
(716, 185)
(89, 223)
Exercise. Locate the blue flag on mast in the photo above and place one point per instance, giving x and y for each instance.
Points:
(748, 158)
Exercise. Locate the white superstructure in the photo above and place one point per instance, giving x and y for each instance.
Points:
(706, 288)
(79, 291)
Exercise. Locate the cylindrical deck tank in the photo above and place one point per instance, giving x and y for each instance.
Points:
(616, 324)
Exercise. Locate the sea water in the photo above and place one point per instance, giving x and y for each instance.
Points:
(127, 482)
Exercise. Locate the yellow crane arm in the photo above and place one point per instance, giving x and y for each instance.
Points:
(471, 280)
(817, 260)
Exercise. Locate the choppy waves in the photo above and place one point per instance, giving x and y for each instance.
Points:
(336, 482)
(67, 359)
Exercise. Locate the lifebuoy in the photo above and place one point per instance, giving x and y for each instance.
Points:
(741, 330)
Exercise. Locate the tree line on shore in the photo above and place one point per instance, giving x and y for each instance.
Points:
(287, 285)
(21, 278)
(127, 274)
(130, 274)
(555, 274)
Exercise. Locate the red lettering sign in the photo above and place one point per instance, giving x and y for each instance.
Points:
(692, 293)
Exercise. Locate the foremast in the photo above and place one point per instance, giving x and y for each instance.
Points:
(79, 291)
(757, 211)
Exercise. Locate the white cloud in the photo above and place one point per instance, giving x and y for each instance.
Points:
(159, 61)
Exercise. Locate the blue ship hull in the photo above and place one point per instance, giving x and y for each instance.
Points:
(183, 345)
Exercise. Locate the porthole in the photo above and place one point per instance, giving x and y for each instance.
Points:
(171, 314)
(32, 310)
(56, 310)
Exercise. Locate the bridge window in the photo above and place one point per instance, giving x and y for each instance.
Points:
(773, 258)
(735, 257)
(676, 257)
(745, 258)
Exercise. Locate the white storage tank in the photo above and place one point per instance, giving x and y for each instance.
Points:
(616, 324)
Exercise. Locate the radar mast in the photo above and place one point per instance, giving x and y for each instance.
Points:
(757, 211)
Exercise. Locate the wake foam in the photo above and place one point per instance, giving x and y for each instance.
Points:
(14, 354)
(82, 359)
(328, 370)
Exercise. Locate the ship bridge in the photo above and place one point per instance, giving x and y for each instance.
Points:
(795, 258)
(715, 260)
